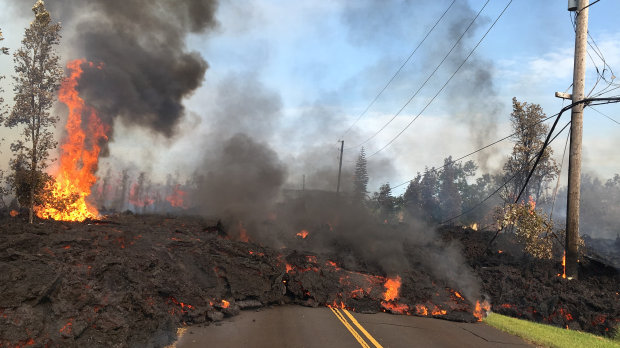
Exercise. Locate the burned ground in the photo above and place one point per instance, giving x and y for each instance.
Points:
(131, 280)
(524, 287)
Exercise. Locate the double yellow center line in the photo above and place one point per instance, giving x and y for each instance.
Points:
(339, 314)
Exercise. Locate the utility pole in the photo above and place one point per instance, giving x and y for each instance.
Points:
(340, 167)
(574, 162)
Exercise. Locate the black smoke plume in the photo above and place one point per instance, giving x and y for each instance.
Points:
(140, 45)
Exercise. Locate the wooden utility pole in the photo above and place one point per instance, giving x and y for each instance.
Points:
(574, 162)
(340, 167)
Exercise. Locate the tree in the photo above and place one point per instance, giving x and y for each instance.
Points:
(3, 190)
(5, 51)
(530, 133)
(360, 182)
(385, 202)
(39, 75)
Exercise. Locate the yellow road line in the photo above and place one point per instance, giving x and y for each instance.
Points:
(351, 329)
(359, 326)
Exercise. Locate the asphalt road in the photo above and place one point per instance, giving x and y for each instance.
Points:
(300, 327)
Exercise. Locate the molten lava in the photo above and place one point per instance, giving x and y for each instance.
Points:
(243, 234)
(303, 234)
(79, 155)
(225, 304)
(392, 286)
(482, 309)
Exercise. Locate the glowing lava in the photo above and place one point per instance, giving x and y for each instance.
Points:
(303, 234)
(392, 286)
(481, 309)
(79, 155)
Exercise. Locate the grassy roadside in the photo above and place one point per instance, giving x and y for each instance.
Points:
(547, 335)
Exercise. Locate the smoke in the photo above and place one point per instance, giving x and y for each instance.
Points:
(142, 68)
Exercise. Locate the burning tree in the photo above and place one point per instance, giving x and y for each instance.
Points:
(39, 75)
(530, 132)
(360, 182)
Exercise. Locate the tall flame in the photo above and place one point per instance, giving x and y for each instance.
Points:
(391, 288)
(79, 154)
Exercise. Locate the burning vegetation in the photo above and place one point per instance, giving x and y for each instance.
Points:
(103, 268)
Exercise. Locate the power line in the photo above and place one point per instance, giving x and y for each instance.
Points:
(444, 86)
(480, 149)
(399, 69)
(555, 192)
(507, 181)
(604, 115)
(425, 82)
(586, 101)
(389, 82)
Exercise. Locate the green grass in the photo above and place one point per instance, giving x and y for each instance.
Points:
(549, 336)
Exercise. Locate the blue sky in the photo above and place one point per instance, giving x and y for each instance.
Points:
(298, 74)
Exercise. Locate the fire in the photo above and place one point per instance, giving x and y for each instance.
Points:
(243, 236)
(288, 268)
(500, 251)
(438, 311)
(532, 204)
(482, 309)
(225, 304)
(421, 309)
(392, 286)
(79, 154)
(564, 265)
(459, 295)
(396, 307)
(303, 234)
(178, 198)
(14, 213)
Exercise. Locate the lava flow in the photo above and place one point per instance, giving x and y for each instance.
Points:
(79, 155)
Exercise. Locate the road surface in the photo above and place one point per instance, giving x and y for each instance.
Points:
(301, 327)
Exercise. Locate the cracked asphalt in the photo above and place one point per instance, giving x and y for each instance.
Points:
(301, 327)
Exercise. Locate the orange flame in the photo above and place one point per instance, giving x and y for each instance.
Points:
(303, 234)
(438, 311)
(421, 309)
(14, 213)
(391, 286)
(532, 204)
(395, 307)
(79, 155)
(482, 309)
(178, 198)
(225, 304)
(564, 265)
(243, 236)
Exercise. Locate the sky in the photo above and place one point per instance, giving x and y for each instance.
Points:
(297, 74)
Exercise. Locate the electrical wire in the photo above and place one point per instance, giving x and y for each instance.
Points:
(555, 192)
(425, 82)
(604, 115)
(444, 86)
(480, 149)
(389, 82)
(586, 101)
(399, 69)
(506, 182)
